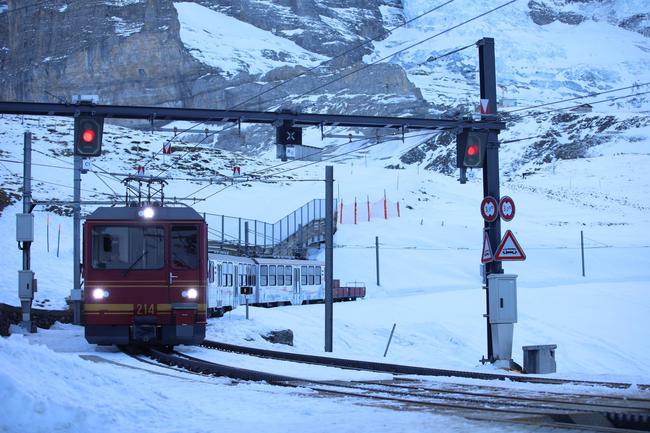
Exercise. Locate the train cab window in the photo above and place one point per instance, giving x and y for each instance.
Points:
(288, 277)
(272, 279)
(185, 247)
(126, 247)
(317, 275)
(311, 276)
(264, 275)
(280, 275)
(303, 275)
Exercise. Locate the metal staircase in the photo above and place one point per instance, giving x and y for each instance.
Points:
(290, 237)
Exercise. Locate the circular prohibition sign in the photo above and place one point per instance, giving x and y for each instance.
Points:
(489, 209)
(507, 208)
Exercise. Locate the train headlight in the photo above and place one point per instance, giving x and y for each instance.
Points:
(190, 294)
(100, 294)
(147, 213)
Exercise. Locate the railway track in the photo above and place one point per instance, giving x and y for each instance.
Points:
(403, 369)
(481, 403)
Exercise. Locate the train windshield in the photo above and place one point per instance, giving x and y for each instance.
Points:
(128, 247)
(185, 247)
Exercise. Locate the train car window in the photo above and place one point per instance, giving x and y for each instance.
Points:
(288, 276)
(251, 275)
(185, 247)
(311, 276)
(211, 272)
(219, 275)
(317, 275)
(303, 275)
(264, 275)
(127, 247)
(272, 279)
(280, 275)
(231, 270)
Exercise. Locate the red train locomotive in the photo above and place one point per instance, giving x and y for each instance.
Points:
(145, 275)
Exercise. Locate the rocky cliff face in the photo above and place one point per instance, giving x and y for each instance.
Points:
(130, 51)
(125, 52)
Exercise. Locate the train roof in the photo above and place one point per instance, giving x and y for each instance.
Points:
(134, 213)
(263, 261)
(227, 258)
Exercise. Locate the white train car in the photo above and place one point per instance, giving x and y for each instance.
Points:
(226, 276)
(288, 281)
(274, 282)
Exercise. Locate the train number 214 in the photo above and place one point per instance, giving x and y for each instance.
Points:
(145, 309)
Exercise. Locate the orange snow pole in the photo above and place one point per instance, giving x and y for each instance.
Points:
(341, 214)
(355, 210)
(398, 215)
(385, 207)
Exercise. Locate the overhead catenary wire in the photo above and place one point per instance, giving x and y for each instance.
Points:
(367, 65)
(319, 65)
(267, 178)
(433, 133)
(354, 48)
(590, 94)
(326, 159)
(602, 101)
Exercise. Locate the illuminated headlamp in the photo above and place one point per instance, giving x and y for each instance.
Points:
(190, 294)
(100, 294)
(147, 213)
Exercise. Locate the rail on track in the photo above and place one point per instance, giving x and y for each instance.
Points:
(402, 369)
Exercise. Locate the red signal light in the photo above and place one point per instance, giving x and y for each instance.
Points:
(472, 150)
(88, 135)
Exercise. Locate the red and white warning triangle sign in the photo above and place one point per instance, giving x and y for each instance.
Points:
(509, 249)
(485, 106)
(487, 249)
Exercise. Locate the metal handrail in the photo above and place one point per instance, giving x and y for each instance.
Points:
(297, 227)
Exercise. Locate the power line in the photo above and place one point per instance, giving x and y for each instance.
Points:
(318, 66)
(376, 38)
(522, 116)
(367, 65)
(380, 60)
(327, 159)
(634, 86)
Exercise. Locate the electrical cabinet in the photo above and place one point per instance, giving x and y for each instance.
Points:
(25, 227)
(26, 285)
(502, 298)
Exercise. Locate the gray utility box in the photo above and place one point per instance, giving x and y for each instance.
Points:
(25, 227)
(540, 359)
(502, 298)
(26, 284)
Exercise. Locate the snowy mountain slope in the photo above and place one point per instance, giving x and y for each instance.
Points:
(233, 46)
